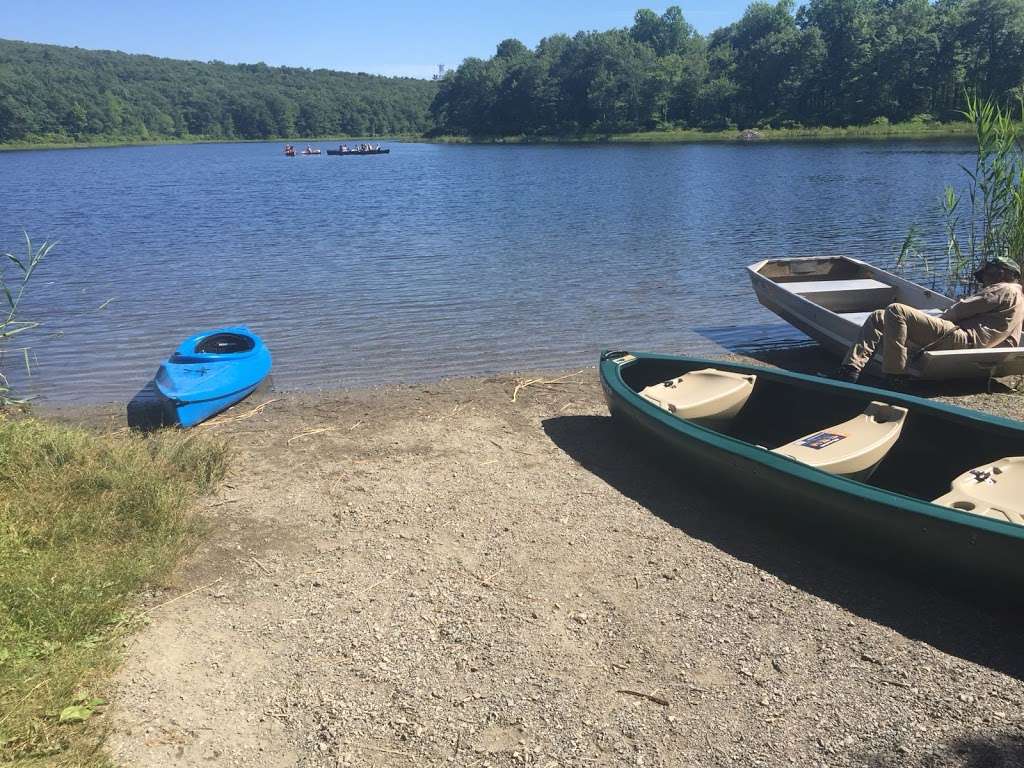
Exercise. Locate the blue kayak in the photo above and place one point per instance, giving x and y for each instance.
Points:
(207, 373)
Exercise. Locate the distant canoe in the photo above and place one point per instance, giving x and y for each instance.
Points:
(311, 151)
(830, 297)
(363, 152)
(207, 373)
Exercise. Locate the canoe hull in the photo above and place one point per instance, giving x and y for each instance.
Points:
(339, 153)
(935, 543)
(836, 328)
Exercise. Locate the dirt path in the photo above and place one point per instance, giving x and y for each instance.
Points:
(437, 575)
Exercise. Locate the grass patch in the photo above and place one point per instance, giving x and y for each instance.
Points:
(908, 130)
(85, 521)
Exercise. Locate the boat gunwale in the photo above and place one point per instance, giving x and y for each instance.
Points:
(797, 469)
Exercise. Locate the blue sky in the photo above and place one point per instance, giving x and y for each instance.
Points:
(401, 38)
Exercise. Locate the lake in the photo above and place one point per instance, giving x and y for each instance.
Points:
(436, 260)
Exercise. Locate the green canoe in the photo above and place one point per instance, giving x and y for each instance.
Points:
(891, 515)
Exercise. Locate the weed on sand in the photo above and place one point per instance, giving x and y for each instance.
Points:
(85, 521)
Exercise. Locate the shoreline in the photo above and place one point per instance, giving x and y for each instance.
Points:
(904, 131)
(895, 131)
(806, 358)
(112, 144)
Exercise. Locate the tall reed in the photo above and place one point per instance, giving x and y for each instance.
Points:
(15, 273)
(987, 218)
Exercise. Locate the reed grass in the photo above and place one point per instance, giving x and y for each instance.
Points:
(15, 273)
(986, 219)
(85, 521)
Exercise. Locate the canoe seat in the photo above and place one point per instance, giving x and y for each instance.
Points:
(705, 395)
(853, 448)
(995, 490)
(844, 295)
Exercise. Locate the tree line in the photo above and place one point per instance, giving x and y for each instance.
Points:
(53, 93)
(826, 63)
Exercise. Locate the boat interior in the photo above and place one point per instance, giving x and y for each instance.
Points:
(845, 287)
(920, 452)
(225, 344)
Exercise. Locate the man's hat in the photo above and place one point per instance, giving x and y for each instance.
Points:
(1003, 262)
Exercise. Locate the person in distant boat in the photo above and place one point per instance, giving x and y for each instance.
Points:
(990, 318)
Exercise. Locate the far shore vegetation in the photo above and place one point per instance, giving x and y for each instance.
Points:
(877, 130)
(67, 142)
(823, 69)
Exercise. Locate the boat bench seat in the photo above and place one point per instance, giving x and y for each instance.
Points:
(848, 295)
(995, 490)
(706, 395)
(859, 318)
(853, 448)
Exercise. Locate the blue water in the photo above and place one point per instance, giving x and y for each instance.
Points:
(435, 260)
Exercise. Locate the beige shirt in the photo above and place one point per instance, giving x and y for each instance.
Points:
(992, 317)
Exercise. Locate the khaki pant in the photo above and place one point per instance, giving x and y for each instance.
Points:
(898, 326)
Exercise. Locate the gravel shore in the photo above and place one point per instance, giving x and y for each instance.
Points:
(481, 573)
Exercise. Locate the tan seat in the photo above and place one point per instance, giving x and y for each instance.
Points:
(853, 448)
(707, 395)
(844, 295)
(995, 490)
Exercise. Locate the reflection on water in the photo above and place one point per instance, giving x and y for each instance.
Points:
(752, 339)
(437, 260)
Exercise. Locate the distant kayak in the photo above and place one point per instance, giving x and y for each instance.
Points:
(311, 151)
(207, 373)
(346, 153)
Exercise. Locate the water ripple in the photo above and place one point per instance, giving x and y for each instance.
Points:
(437, 260)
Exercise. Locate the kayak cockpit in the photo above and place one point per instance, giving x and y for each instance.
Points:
(225, 344)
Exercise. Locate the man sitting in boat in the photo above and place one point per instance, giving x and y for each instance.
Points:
(990, 318)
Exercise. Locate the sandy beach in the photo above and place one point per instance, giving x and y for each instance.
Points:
(480, 573)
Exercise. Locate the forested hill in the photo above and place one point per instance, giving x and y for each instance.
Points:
(51, 93)
(829, 62)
